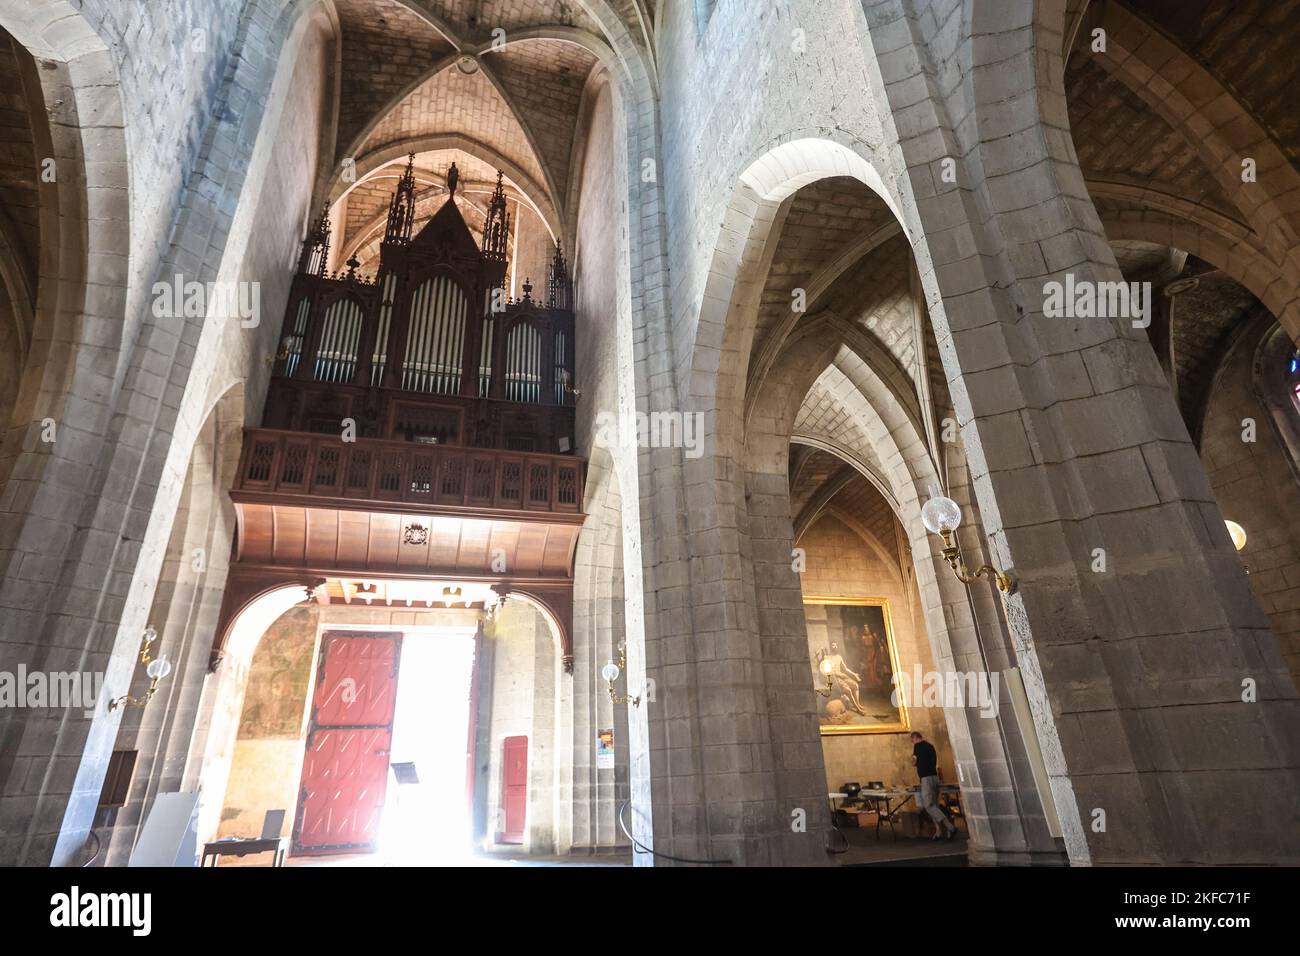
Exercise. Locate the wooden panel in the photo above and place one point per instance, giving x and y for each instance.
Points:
(290, 535)
(444, 542)
(322, 538)
(559, 545)
(354, 537)
(385, 535)
(531, 549)
(504, 537)
(474, 538)
(325, 539)
(257, 533)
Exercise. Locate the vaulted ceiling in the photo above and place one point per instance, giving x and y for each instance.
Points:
(1140, 167)
(20, 201)
(1249, 47)
(489, 84)
(822, 485)
(834, 240)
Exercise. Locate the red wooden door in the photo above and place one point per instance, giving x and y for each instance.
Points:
(514, 790)
(345, 771)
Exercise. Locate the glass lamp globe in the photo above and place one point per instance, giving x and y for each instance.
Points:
(940, 514)
(1237, 533)
(159, 668)
(610, 672)
(825, 666)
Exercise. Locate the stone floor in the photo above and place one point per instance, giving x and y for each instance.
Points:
(864, 849)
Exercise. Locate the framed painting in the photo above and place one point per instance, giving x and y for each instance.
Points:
(851, 643)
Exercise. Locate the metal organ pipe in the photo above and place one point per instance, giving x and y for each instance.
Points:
(380, 357)
(435, 338)
(336, 357)
(524, 364)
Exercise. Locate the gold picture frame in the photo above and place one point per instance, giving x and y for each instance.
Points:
(835, 712)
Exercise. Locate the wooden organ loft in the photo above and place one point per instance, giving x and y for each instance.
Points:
(418, 427)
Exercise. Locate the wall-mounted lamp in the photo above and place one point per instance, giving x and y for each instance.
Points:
(611, 671)
(1238, 535)
(941, 516)
(156, 669)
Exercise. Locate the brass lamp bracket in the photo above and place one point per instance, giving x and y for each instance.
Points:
(616, 697)
(1006, 583)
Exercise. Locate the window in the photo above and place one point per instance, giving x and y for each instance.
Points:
(1293, 377)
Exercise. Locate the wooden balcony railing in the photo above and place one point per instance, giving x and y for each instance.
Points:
(298, 463)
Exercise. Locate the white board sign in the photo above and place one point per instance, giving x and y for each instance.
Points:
(170, 835)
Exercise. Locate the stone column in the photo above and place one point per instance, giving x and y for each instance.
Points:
(1134, 624)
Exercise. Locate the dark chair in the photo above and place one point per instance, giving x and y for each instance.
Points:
(879, 805)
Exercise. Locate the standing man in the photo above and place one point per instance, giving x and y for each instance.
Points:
(926, 762)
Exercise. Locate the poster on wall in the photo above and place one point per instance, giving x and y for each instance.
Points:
(853, 659)
(605, 750)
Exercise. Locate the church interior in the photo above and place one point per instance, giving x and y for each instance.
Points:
(649, 433)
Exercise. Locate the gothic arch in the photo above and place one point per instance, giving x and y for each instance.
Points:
(224, 694)
(723, 335)
(883, 404)
(1238, 258)
(366, 165)
(557, 32)
(852, 457)
(195, 362)
(85, 226)
(1141, 57)
(184, 613)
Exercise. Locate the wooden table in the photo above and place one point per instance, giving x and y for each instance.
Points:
(219, 848)
(888, 804)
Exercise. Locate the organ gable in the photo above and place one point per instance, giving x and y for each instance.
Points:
(446, 237)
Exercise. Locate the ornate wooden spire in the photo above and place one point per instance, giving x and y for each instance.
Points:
(496, 228)
(401, 211)
(559, 290)
(316, 247)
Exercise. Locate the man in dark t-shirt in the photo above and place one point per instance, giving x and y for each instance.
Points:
(926, 761)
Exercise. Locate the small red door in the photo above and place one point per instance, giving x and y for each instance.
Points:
(345, 771)
(514, 790)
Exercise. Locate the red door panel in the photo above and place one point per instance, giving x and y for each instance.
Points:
(514, 790)
(357, 685)
(345, 769)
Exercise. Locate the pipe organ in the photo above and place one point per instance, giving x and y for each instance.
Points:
(458, 464)
(430, 349)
